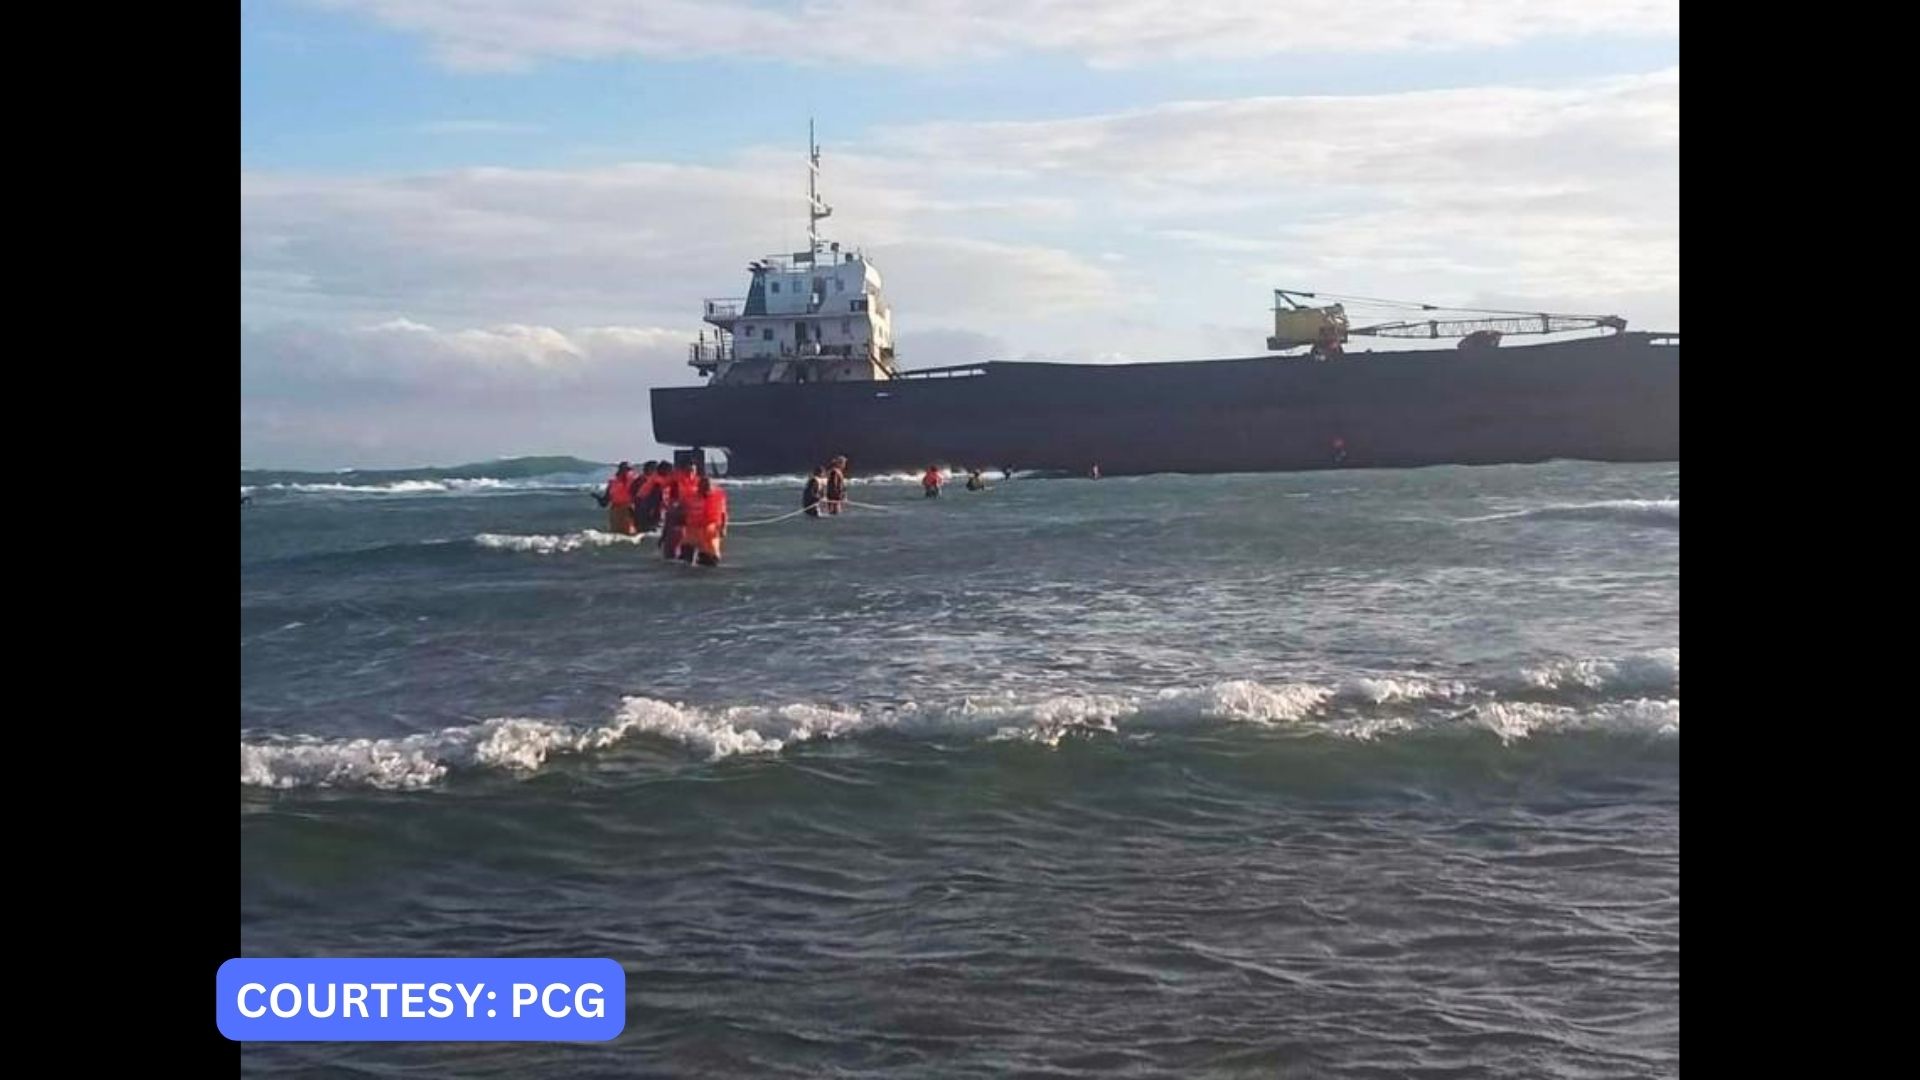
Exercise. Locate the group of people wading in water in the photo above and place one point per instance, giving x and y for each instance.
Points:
(688, 509)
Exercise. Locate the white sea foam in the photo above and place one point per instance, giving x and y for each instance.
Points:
(1514, 720)
(1654, 672)
(561, 544)
(1665, 512)
(1359, 709)
(1388, 690)
(474, 485)
(409, 762)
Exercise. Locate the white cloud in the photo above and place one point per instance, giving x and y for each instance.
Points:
(507, 34)
(400, 390)
(601, 244)
(402, 356)
(1443, 195)
(1543, 139)
(981, 280)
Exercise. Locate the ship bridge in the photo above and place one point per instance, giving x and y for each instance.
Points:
(818, 315)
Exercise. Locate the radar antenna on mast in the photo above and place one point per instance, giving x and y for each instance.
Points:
(816, 209)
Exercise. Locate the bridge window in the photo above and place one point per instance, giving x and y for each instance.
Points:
(766, 334)
(776, 286)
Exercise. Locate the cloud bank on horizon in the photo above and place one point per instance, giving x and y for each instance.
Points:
(521, 291)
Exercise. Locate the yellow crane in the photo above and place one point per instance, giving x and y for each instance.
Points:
(1326, 328)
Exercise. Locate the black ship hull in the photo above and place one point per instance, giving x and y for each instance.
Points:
(1614, 398)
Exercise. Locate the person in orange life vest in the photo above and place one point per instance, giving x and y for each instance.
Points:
(649, 494)
(680, 486)
(704, 525)
(686, 482)
(618, 500)
(930, 483)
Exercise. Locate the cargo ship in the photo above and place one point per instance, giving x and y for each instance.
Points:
(802, 369)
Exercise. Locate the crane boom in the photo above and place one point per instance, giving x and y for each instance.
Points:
(1324, 328)
(1528, 324)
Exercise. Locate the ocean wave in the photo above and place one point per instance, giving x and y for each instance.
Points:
(1664, 512)
(478, 485)
(1627, 512)
(471, 486)
(1362, 709)
(561, 544)
(1653, 672)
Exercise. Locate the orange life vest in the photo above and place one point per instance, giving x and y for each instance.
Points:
(708, 510)
(620, 489)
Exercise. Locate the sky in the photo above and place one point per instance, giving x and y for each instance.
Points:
(473, 229)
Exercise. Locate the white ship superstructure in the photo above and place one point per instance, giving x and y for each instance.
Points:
(817, 315)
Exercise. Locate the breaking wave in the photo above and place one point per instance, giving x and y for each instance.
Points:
(1631, 511)
(561, 544)
(475, 485)
(479, 485)
(1638, 696)
(1654, 672)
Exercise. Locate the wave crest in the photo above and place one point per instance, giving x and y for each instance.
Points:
(1662, 512)
(540, 544)
(1358, 709)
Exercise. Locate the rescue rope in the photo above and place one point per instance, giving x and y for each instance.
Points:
(796, 513)
(766, 521)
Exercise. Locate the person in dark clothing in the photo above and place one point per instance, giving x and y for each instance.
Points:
(670, 521)
(816, 489)
(836, 484)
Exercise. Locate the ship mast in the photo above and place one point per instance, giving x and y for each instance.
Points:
(816, 209)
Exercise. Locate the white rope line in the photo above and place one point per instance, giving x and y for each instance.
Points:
(767, 521)
(820, 506)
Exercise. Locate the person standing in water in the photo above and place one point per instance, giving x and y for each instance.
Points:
(651, 496)
(810, 498)
(836, 484)
(618, 499)
(975, 482)
(704, 524)
(930, 483)
(681, 488)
